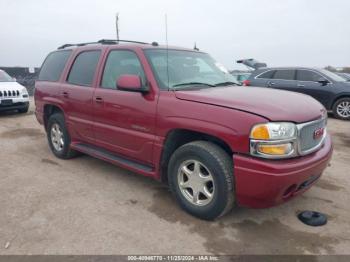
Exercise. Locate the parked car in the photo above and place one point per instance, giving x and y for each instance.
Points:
(13, 96)
(175, 115)
(241, 76)
(328, 88)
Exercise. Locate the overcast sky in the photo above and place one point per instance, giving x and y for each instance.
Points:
(279, 32)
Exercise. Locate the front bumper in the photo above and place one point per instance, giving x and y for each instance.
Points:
(264, 183)
(14, 105)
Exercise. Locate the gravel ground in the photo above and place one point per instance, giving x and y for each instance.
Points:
(87, 206)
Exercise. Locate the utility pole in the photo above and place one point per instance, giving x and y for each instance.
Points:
(117, 25)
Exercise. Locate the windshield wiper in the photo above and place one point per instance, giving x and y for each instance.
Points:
(227, 83)
(193, 83)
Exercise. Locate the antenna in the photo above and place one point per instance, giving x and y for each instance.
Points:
(117, 25)
(167, 49)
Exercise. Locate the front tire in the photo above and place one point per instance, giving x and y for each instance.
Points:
(200, 176)
(59, 138)
(341, 108)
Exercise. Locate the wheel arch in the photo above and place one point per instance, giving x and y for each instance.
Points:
(177, 137)
(50, 109)
(341, 96)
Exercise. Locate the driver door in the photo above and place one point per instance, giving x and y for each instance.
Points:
(124, 121)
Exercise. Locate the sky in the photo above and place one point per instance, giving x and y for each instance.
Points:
(278, 32)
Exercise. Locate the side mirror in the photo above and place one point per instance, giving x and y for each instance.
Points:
(323, 81)
(130, 83)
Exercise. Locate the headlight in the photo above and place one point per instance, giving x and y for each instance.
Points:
(273, 140)
(273, 131)
(24, 93)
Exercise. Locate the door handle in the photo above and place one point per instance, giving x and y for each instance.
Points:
(98, 99)
(271, 84)
(65, 94)
(299, 85)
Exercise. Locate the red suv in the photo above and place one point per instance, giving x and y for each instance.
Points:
(178, 116)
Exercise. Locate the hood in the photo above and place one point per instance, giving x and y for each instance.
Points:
(10, 86)
(275, 105)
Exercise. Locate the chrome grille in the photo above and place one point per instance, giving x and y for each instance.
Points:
(307, 141)
(9, 93)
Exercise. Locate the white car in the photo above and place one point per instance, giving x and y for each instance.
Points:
(13, 96)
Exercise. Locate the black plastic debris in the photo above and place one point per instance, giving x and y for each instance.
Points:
(313, 218)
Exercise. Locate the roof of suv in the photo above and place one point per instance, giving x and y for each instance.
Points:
(124, 43)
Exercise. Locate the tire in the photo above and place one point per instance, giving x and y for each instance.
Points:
(341, 108)
(215, 166)
(23, 110)
(59, 147)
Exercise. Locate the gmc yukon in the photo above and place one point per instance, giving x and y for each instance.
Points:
(178, 116)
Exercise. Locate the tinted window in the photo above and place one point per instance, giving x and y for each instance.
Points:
(284, 74)
(53, 66)
(267, 75)
(121, 62)
(306, 75)
(84, 67)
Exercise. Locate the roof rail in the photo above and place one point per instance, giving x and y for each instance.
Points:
(107, 42)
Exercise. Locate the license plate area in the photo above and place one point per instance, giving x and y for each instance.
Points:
(6, 102)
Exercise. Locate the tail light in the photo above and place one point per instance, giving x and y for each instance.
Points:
(246, 83)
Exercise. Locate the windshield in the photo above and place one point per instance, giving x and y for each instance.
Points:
(187, 69)
(4, 77)
(333, 76)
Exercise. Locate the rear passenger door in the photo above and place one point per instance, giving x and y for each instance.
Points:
(307, 82)
(283, 79)
(77, 94)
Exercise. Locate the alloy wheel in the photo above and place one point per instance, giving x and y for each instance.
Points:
(196, 182)
(57, 137)
(343, 109)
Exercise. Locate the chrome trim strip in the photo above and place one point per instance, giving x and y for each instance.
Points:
(311, 70)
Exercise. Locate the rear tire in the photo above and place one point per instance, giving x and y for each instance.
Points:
(59, 138)
(341, 108)
(200, 176)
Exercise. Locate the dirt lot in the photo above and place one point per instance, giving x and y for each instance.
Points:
(87, 206)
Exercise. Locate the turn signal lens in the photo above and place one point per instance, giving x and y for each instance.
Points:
(283, 149)
(260, 132)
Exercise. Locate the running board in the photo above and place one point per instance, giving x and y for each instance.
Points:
(112, 157)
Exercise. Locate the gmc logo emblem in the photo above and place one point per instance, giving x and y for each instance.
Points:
(318, 133)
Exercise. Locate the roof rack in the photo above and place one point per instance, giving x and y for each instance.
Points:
(107, 42)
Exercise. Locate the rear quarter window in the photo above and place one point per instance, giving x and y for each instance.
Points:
(267, 75)
(53, 66)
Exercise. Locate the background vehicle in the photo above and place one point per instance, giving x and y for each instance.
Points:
(176, 115)
(330, 89)
(240, 76)
(13, 96)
